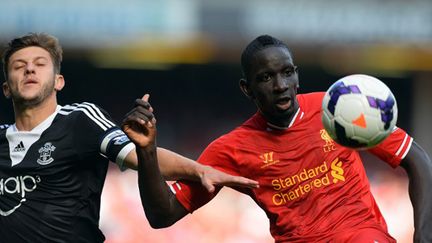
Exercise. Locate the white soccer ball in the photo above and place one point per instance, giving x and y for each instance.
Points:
(359, 111)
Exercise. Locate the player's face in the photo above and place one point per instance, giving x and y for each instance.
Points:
(31, 77)
(272, 85)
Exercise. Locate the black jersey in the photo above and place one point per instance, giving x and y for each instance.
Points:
(51, 178)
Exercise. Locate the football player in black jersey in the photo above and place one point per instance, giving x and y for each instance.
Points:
(54, 159)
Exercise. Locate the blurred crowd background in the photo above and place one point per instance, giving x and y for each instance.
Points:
(186, 54)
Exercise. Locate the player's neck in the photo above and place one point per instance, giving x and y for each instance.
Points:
(283, 122)
(27, 118)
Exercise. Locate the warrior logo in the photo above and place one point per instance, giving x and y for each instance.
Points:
(45, 154)
(268, 159)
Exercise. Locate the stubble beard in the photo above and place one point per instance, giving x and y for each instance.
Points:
(22, 102)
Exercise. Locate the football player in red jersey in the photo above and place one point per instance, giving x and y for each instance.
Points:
(312, 189)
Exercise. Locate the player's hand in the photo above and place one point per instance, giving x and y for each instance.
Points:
(211, 177)
(139, 124)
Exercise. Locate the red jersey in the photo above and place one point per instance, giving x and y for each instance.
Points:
(312, 189)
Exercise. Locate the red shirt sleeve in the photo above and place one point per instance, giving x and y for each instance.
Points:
(394, 148)
(192, 195)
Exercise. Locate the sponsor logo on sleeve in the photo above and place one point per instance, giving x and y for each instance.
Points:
(120, 139)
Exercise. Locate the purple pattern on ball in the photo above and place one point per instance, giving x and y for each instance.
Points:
(354, 89)
(385, 106)
(372, 102)
(390, 101)
(381, 104)
(337, 90)
(334, 96)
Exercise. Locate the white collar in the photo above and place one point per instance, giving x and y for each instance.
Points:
(272, 126)
(42, 126)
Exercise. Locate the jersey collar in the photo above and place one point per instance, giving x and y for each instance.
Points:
(261, 122)
(274, 127)
(42, 126)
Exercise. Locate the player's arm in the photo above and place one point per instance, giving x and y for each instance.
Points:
(172, 165)
(160, 205)
(418, 166)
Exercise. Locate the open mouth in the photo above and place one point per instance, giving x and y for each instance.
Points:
(283, 103)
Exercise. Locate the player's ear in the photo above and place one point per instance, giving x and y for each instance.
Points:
(245, 88)
(6, 90)
(59, 82)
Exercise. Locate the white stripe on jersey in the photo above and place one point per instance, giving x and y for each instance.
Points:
(4, 126)
(97, 113)
(101, 115)
(402, 145)
(408, 148)
(172, 189)
(122, 155)
(93, 113)
(87, 113)
(295, 117)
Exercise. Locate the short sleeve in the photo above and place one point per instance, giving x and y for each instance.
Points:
(394, 148)
(193, 195)
(97, 132)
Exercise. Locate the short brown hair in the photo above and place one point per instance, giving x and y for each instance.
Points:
(45, 41)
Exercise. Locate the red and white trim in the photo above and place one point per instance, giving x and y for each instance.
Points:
(404, 147)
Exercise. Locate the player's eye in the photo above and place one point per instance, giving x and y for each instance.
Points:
(290, 71)
(266, 77)
(19, 66)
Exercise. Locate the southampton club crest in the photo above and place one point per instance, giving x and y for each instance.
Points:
(45, 154)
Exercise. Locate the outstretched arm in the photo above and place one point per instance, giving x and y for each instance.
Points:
(418, 166)
(174, 166)
(161, 206)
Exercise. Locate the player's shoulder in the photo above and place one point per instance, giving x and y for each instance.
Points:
(232, 139)
(3, 129)
(87, 111)
(310, 100)
(314, 97)
(4, 126)
(221, 141)
(83, 108)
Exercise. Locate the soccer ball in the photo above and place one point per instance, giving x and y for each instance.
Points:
(359, 111)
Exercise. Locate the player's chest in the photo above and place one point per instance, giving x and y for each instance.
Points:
(35, 151)
(280, 154)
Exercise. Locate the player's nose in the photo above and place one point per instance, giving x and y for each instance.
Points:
(280, 84)
(30, 68)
